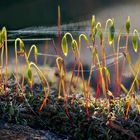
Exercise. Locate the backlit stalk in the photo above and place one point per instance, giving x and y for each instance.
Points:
(103, 54)
(43, 81)
(35, 52)
(111, 36)
(127, 26)
(59, 25)
(74, 49)
(86, 92)
(23, 77)
(62, 74)
(65, 49)
(123, 63)
(79, 54)
(131, 94)
(118, 84)
(100, 70)
(95, 28)
(6, 51)
(3, 43)
(22, 51)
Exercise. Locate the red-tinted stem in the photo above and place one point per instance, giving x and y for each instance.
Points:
(97, 74)
(123, 64)
(67, 111)
(31, 88)
(115, 75)
(42, 105)
(98, 90)
(73, 70)
(72, 101)
(77, 76)
(59, 27)
(122, 71)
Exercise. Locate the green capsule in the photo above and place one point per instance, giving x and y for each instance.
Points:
(93, 28)
(29, 75)
(74, 45)
(85, 38)
(111, 34)
(135, 42)
(93, 22)
(2, 36)
(93, 25)
(128, 25)
(36, 51)
(107, 73)
(36, 54)
(100, 34)
(22, 49)
(64, 45)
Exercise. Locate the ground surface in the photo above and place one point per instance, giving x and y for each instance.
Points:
(106, 118)
(20, 132)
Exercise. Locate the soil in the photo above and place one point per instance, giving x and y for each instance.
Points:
(20, 132)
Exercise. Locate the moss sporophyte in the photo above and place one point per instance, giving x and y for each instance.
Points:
(3, 44)
(81, 96)
(95, 99)
(99, 64)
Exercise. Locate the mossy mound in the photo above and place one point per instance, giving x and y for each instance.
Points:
(106, 118)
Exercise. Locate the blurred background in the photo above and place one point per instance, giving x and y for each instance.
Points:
(17, 14)
(39, 18)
